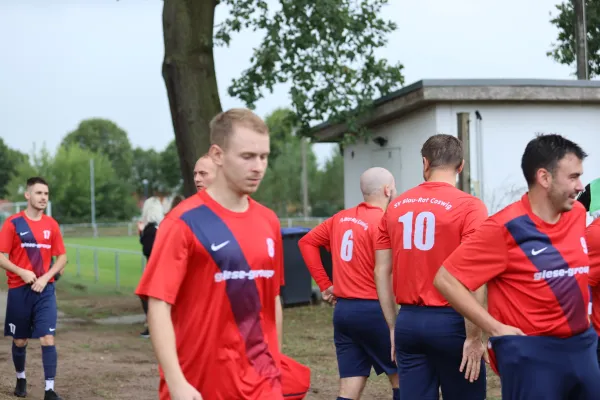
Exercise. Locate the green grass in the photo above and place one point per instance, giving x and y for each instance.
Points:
(82, 265)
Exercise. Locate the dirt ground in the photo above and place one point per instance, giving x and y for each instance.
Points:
(111, 361)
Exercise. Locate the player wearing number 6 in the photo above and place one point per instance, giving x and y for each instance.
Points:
(360, 331)
(421, 227)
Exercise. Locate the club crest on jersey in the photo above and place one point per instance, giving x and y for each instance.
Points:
(271, 247)
(46, 234)
(583, 244)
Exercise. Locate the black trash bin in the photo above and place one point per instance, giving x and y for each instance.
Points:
(298, 288)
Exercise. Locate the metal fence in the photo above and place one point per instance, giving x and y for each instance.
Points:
(130, 228)
(106, 266)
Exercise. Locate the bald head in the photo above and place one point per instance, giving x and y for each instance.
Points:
(377, 182)
(205, 171)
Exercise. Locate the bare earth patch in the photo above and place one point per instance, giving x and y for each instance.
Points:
(113, 362)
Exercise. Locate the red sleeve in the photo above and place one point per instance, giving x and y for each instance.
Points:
(58, 246)
(309, 247)
(482, 258)
(383, 237)
(168, 264)
(7, 236)
(592, 237)
(475, 214)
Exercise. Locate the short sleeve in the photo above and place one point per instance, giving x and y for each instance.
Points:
(480, 259)
(592, 239)
(383, 237)
(7, 236)
(167, 267)
(475, 214)
(58, 245)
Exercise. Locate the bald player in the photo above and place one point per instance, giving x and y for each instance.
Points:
(204, 172)
(361, 334)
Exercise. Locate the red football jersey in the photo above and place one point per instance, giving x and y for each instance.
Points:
(30, 244)
(350, 235)
(423, 226)
(537, 273)
(221, 271)
(593, 248)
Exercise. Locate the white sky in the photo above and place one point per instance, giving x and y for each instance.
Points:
(64, 61)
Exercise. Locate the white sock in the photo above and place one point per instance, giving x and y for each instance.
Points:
(49, 384)
(21, 375)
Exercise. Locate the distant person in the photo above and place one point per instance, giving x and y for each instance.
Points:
(176, 200)
(205, 172)
(31, 238)
(213, 281)
(360, 332)
(590, 198)
(152, 215)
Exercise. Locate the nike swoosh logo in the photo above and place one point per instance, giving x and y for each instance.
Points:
(23, 233)
(536, 252)
(52, 329)
(214, 247)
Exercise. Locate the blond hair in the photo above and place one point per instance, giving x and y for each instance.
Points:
(222, 125)
(152, 211)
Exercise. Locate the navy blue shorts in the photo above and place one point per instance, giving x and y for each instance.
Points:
(549, 368)
(30, 314)
(362, 338)
(429, 346)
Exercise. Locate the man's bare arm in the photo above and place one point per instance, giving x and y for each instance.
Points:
(59, 265)
(461, 299)
(473, 331)
(383, 281)
(279, 321)
(162, 335)
(7, 265)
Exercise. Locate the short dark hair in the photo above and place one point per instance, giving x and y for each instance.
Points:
(443, 150)
(36, 179)
(545, 151)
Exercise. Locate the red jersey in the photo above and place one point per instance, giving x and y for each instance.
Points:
(537, 273)
(422, 227)
(593, 247)
(350, 235)
(30, 244)
(221, 271)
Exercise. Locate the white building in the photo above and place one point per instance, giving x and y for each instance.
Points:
(503, 116)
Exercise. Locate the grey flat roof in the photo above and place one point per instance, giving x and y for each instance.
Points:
(429, 91)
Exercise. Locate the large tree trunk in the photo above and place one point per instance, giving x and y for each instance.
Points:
(189, 74)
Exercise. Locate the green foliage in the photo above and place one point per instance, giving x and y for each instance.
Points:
(281, 189)
(325, 51)
(68, 175)
(330, 187)
(169, 166)
(563, 50)
(9, 163)
(104, 137)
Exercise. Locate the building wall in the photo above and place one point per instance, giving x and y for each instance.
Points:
(401, 156)
(506, 129)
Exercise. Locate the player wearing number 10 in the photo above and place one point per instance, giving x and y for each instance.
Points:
(360, 331)
(420, 228)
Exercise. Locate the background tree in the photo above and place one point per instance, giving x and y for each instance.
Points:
(10, 160)
(329, 188)
(563, 50)
(104, 137)
(324, 50)
(68, 175)
(147, 165)
(170, 167)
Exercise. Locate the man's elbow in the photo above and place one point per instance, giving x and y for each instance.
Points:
(440, 282)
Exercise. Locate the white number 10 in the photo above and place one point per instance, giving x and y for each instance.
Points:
(424, 223)
(347, 245)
